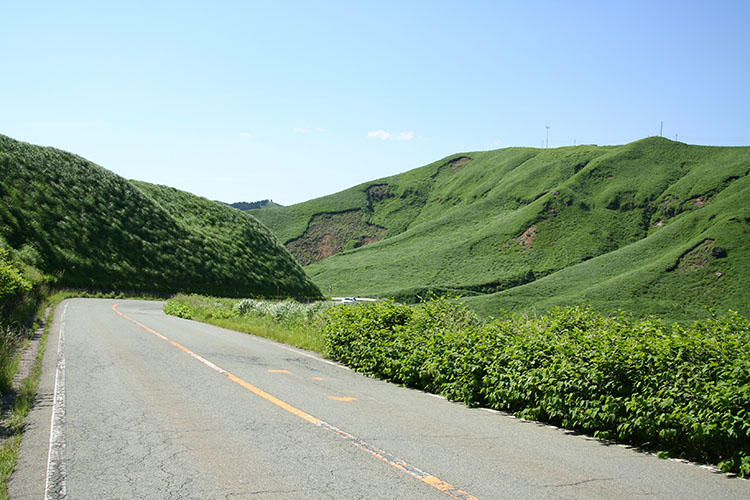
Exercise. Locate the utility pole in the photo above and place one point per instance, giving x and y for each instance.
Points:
(547, 144)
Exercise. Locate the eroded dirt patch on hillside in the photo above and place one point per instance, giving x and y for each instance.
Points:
(452, 165)
(378, 192)
(329, 234)
(527, 238)
(699, 256)
(700, 202)
(457, 163)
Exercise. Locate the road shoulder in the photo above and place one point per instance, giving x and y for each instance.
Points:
(28, 479)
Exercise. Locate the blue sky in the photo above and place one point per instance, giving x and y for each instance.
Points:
(293, 100)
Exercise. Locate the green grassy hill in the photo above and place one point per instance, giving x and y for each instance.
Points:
(654, 226)
(84, 226)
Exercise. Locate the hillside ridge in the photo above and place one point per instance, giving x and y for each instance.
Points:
(83, 226)
(489, 225)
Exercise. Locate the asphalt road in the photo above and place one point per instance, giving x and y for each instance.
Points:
(151, 406)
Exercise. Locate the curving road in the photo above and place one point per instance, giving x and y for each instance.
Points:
(152, 406)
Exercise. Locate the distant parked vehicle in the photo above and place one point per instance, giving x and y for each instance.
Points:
(348, 300)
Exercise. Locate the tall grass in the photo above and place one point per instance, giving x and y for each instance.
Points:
(11, 338)
(286, 321)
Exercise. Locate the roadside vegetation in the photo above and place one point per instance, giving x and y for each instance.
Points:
(21, 292)
(652, 227)
(286, 321)
(681, 391)
(17, 403)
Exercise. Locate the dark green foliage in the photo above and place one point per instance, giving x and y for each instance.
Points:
(13, 283)
(85, 227)
(525, 229)
(11, 338)
(20, 295)
(680, 389)
(253, 205)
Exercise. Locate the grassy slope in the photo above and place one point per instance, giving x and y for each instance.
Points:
(87, 227)
(612, 227)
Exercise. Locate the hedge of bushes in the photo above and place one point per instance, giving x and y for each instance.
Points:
(681, 390)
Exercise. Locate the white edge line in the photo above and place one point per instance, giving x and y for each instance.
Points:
(55, 486)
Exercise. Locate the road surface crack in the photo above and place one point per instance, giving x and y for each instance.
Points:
(577, 483)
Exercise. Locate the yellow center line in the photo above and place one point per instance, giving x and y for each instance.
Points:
(342, 398)
(386, 457)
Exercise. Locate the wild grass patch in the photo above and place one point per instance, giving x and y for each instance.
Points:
(287, 321)
(23, 400)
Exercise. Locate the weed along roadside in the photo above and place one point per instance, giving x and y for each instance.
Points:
(24, 372)
(680, 391)
(285, 321)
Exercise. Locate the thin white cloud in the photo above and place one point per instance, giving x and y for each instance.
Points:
(246, 134)
(309, 130)
(386, 136)
(379, 134)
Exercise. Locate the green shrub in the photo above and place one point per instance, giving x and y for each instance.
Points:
(12, 281)
(179, 309)
(682, 390)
